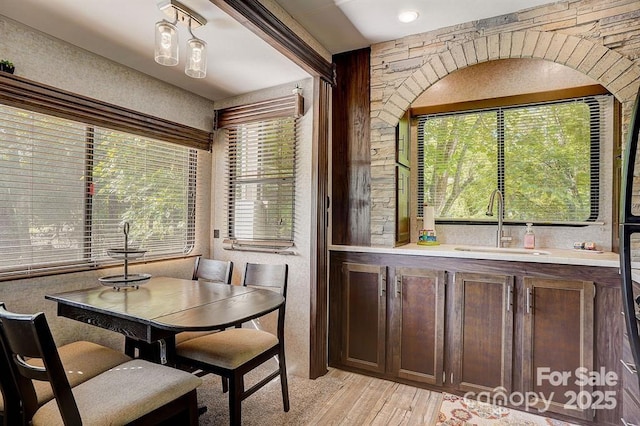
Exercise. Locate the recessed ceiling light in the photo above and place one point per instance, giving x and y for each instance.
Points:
(408, 16)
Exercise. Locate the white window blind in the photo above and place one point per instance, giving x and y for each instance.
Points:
(67, 188)
(545, 158)
(261, 169)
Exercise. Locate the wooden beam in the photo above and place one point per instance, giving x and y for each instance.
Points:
(255, 16)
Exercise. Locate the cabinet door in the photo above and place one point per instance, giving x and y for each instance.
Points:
(416, 324)
(364, 316)
(403, 141)
(403, 199)
(630, 385)
(558, 339)
(483, 337)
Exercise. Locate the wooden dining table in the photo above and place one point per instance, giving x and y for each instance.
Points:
(151, 315)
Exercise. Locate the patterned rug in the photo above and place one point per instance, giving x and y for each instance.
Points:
(459, 411)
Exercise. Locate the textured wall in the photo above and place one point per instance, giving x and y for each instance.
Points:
(598, 38)
(42, 58)
(298, 315)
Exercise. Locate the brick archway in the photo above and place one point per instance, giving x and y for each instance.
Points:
(615, 72)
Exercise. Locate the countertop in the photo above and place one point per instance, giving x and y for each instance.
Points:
(539, 255)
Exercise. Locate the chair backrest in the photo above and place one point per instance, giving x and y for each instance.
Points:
(213, 270)
(266, 275)
(273, 277)
(8, 386)
(28, 336)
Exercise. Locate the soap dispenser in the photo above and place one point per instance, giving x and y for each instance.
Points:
(529, 237)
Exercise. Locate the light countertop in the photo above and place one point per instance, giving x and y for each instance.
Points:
(539, 255)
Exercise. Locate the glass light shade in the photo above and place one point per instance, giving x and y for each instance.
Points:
(196, 58)
(166, 43)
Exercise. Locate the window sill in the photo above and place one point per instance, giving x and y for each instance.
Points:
(276, 247)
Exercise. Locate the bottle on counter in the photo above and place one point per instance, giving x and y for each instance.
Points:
(529, 237)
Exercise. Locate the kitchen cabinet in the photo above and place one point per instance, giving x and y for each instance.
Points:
(416, 325)
(558, 339)
(631, 387)
(470, 325)
(403, 200)
(364, 316)
(403, 140)
(483, 335)
(403, 179)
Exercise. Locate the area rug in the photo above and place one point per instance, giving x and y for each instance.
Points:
(459, 411)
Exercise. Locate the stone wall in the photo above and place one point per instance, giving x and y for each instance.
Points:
(599, 38)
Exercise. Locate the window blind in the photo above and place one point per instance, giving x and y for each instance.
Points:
(30, 95)
(261, 169)
(261, 186)
(67, 188)
(544, 157)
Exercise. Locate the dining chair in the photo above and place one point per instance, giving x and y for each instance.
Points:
(213, 270)
(234, 352)
(135, 391)
(82, 360)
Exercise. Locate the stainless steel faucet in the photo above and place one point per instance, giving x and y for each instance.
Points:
(500, 237)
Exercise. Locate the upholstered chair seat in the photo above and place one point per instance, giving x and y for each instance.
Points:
(132, 392)
(230, 348)
(122, 394)
(82, 360)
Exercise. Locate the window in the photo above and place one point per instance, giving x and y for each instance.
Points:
(262, 169)
(545, 158)
(262, 180)
(66, 189)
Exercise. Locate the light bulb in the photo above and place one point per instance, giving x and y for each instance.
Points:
(196, 58)
(408, 16)
(166, 46)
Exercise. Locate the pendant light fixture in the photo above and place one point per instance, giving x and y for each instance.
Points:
(196, 57)
(166, 41)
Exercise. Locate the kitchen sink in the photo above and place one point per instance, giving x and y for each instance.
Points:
(506, 250)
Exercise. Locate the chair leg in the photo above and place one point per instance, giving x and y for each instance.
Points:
(283, 381)
(236, 389)
(225, 384)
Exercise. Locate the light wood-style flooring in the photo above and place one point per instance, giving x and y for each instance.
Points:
(369, 401)
(339, 398)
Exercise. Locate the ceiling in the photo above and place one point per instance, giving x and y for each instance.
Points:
(238, 60)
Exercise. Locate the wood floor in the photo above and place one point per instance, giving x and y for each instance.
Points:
(338, 398)
(368, 401)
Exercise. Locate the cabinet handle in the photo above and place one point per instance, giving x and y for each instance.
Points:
(398, 286)
(383, 285)
(528, 301)
(509, 290)
(629, 366)
(625, 423)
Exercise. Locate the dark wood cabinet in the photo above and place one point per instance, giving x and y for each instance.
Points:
(483, 334)
(468, 325)
(403, 141)
(403, 181)
(403, 200)
(416, 324)
(364, 316)
(558, 339)
(631, 386)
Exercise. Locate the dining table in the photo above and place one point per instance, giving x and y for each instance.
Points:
(151, 314)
